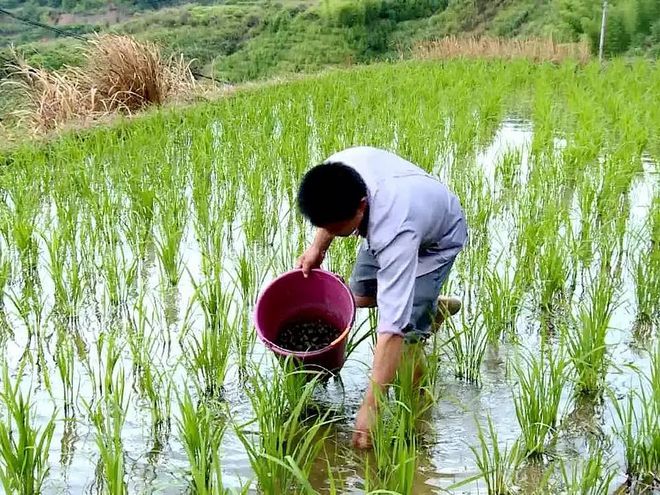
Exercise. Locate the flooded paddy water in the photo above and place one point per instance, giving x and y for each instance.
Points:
(131, 259)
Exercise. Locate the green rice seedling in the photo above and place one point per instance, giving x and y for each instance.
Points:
(467, 347)
(24, 447)
(247, 276)
(172, 227)
(5, 272)
(23, 229)
(244, 338)
(500, 303)
(586, 338)
(528, 239)
(646, 276)
(587, 196)
(142, 199)
(413, 386)
(646, 271)
(587, 477)
(118, 272)
(395, 450)
(65, 361)
(68, 441)
(638, 426)
(537, 393)
(207, 353)
(107, 416)
(396, 433)
(497, 465)
(65, 271)
(207, 356)
(507, 172)
(289, 439)
(201, 429)
(149, 381)
(655, 220)
(553, 272)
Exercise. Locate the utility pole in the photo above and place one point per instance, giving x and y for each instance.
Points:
(602, 32)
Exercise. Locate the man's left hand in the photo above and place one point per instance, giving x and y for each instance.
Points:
(363, 424)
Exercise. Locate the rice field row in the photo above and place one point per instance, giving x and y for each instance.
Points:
(131, 257)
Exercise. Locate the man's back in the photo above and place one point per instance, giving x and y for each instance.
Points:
(403, 196)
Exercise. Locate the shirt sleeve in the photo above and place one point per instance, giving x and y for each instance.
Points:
(396, 282)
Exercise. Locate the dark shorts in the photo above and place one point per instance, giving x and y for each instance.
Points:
(425, 299)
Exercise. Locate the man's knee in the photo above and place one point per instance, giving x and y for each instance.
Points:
(364, 301)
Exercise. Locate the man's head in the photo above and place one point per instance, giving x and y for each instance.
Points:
(333, 196)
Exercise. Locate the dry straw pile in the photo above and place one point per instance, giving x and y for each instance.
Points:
(534, 49)
(120, 75)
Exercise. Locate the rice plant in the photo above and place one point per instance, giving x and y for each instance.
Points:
(507, 172)
(396, 431)
(108, 416)
(553, 272)
(172, 226)
(646, 274)
(587, 337)
(500, 304)
(201, 429)
(638, 427)
(288, 438)
(24, 445)
(395, 451)
(497, 465)
(150, 381)
(467, 347)
(106, 233)
(646, 271)
(65, 361)
(537, 394)
(107, 412)
(207, 354)
(591, 476)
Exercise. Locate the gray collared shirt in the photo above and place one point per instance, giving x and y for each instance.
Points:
(415, 226)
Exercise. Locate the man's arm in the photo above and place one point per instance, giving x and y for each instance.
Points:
(386, 362)
(315, 253)
(396, 283)
(322, 239)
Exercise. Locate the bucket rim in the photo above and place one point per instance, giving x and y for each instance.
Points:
(303, 354)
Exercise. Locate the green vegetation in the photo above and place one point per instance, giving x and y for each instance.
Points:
(24, 445)
(131, 257)
(498, 465)
(538, 393)
(238, 41)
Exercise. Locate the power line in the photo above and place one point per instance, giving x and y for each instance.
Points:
(41, 25)
(72, 35)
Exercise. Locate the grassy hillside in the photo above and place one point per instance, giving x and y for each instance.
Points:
(236, 40)
(240, 40)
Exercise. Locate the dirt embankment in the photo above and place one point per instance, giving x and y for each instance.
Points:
(110, 16)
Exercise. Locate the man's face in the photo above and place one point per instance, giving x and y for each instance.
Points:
(348, 227)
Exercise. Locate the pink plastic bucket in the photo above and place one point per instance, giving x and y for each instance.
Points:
(321, 295)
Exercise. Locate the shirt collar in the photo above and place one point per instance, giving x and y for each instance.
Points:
(362, 228)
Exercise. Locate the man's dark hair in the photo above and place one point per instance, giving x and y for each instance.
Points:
(330, 192)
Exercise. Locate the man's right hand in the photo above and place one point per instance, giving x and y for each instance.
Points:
(310, 259)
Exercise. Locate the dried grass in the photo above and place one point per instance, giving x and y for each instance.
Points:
(120, 75)
(534, 49)
(128, 75)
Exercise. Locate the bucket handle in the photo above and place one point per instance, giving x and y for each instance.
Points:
(341, 336)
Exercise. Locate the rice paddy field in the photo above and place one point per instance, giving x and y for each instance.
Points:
(131, 257)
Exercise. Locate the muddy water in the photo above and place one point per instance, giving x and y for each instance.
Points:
(156, 463)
